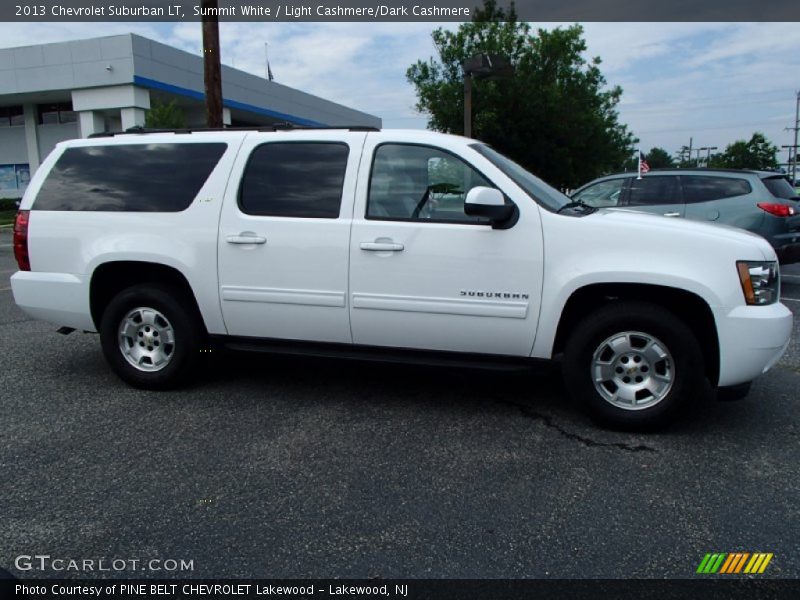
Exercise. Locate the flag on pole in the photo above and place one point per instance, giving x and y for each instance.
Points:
(269, 72)
(643, 166)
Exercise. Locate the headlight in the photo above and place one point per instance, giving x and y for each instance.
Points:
(761, 281)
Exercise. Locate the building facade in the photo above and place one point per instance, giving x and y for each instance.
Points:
(54, 92)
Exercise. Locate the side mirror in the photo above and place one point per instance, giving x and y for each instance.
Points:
(490, 203)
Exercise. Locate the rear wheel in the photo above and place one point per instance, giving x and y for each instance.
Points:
(151, 336)
(633, 365)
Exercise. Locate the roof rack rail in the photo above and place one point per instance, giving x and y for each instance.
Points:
(139, 130)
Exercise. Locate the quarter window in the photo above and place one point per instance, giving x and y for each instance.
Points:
(697, 188)
(295, 179)
(411, 182)
(130, 177)
(653, 190)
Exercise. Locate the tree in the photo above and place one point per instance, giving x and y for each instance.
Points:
(657, 158)
(757, 154)
(554, 115)
(165, 115)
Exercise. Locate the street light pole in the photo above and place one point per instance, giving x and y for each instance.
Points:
(483, 66)
(708, 150)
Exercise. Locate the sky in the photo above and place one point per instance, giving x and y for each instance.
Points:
(713, 82)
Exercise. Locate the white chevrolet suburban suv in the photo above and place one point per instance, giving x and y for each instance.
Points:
(398, 245)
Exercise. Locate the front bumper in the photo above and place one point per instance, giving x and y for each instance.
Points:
(751, 340)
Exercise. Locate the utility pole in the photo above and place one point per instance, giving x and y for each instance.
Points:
(689, 160)
(696, 160)
(796, 127)
(212, 65)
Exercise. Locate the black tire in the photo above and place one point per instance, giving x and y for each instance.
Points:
(181, 357)
(683, 362)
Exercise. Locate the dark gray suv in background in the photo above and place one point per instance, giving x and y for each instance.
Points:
(763, 202)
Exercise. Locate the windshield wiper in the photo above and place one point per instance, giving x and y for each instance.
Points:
(577, 204)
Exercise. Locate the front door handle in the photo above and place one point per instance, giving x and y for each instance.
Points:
(672, 214)
(246, 238)
(382, 246)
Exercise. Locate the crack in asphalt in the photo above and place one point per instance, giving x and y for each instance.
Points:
(586, 441)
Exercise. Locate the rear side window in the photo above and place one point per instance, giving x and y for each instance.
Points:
(295, 179)
(698, 188)
(652, 190)
(133, 177)
(779, 187)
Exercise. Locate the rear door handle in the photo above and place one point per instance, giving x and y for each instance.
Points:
(672, 214)
(246, 238)
(382, 246)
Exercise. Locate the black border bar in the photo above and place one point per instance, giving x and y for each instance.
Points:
(260, 11)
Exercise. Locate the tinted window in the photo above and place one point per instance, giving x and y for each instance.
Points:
(779, 187)
(411, 182)
(653, 190)
(61, 112)
(697, 188)
(11, 116)
(603, 193)
(135, 177)
(295, 180)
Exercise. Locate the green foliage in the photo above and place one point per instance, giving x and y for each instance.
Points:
(758, 153)
(165, 115)
(657, 158)
(555, 115)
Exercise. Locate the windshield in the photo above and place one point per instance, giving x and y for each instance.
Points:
(537, 189)
(779, 187)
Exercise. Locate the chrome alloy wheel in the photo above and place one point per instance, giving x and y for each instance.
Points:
(146, 339)
(632, 370)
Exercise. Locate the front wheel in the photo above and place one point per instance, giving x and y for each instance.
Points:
(151, 336)
(633, 365)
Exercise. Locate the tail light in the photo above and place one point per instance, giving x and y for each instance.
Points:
(21, 240)
(779, 210)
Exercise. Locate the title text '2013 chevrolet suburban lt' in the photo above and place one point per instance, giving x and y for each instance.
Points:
(397, 244)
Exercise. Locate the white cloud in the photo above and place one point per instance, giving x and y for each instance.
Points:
(715, 82)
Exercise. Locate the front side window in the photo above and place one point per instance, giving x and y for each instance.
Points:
(295, 179)
(601, 194)
(130, 177)
(410, 182)
(701, 188)
(653, 190)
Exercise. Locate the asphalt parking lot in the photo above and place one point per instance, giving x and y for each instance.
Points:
(277, 467)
